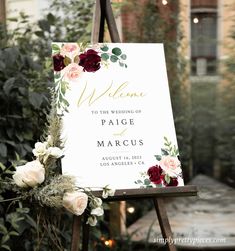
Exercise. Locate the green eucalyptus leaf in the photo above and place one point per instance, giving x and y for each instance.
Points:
(117, 51)
(104, 48)
(167, 179)
(105, 56)
(158, 157)
(147, 182)
(164, 152)
(114, 58)
(123, 56)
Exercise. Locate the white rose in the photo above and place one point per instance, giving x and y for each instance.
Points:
(107, 192)
(55, 152)
(75, 202)
(29, 175)
(92, 221)
(111, 192)
(40, 149)
(96, 202)
(99, 211)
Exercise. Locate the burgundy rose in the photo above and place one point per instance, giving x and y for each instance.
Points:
(155, 174)
(90, 61)
(173, 182)
(58, 61)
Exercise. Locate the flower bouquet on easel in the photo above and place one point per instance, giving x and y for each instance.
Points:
(40, 186)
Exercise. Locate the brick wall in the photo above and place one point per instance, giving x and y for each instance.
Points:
(204, 3)
(132, 12)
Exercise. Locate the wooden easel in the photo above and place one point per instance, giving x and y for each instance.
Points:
(103, 10)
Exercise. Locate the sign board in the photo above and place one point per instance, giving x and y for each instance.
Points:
(118, 125)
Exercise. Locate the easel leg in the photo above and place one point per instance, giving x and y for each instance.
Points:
(85, 234)
(164, 223)
(76, 233)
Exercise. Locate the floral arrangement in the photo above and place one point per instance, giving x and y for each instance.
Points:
(71, 60)
(38, 181)
(167, 171)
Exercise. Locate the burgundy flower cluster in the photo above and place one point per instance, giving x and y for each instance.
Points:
(58, 62)
(157, 176)
(89, 60)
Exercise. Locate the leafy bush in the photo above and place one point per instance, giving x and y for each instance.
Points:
(25, 78)
(24, 99)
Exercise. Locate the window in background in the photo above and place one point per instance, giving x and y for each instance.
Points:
(203, 43)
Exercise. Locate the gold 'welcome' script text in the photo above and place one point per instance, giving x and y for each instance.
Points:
(110, 92)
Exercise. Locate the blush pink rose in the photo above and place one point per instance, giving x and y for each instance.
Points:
(73, 71)
(170, 165)
(75, 202)
(70, 50)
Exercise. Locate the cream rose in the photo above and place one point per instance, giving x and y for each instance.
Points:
(96, 202)
(73, 71)
(92, 221)
(40, 149)
(99, 211)
(75, 202)
(55, 152)
(29, 175)
(170, 165)
(107, 191)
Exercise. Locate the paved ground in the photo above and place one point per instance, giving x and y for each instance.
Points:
(206, 222)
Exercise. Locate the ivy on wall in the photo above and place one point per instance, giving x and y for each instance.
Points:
(226, 115)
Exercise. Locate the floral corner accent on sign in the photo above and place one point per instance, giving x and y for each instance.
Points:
(71, 60)
(166, 172)
(39, 181)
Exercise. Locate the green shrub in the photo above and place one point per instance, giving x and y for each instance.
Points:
(25, 78)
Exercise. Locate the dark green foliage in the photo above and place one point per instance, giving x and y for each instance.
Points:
(26, 76)
(24, 102)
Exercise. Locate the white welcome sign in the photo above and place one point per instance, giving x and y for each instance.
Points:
(117, 117)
